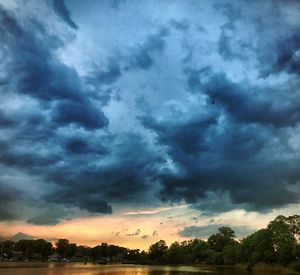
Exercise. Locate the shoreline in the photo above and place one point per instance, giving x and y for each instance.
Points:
(277, 269)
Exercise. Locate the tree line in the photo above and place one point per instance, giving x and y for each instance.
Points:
(278, 243)
(63, 249)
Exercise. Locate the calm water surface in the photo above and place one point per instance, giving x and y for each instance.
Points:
(90, 269)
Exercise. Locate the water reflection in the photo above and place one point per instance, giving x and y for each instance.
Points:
(89, 269)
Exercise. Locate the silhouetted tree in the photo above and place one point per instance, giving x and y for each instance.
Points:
(7, 248)
(72, 249)
(224, 237)
(62, 247)
(43, 248)
(157, 250)
(175, 253)
(26, 246)
(198, 250)
(132, 255)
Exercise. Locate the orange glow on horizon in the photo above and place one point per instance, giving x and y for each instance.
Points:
(137, 229)
(91, 231)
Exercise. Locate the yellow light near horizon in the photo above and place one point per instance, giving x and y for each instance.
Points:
(95, 230)
(92, 231)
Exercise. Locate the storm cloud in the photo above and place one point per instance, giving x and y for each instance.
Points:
(206, 231)
(61, 10)
(134, 106)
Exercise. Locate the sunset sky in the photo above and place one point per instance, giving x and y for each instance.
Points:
(131, 121)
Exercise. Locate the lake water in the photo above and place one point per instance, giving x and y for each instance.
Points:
(90, 269)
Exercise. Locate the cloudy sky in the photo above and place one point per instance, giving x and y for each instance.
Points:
(131, 121)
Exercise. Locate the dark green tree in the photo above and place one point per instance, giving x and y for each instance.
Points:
(72, 249)
(224, 237)
(43, 248)
(158, 250)
(199, 248)
(62, 247)
(292, 222)
(26, 246)
(7, 248)
(133, 255)
(283, 239)
(258, 247)
(175, 253)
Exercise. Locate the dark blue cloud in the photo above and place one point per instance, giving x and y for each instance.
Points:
(241, 101)
(129, 178)
(108, 76)
(130, 110)
(61, 10)
(143, 56)
(51, 216)
(8, 203)
(81, 113)
(222, 155)
(36, 71)
(287, 56)
(6, 122)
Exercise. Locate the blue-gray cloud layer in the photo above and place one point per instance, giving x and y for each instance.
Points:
(61, 10)
(134, 106)
(206, 231)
